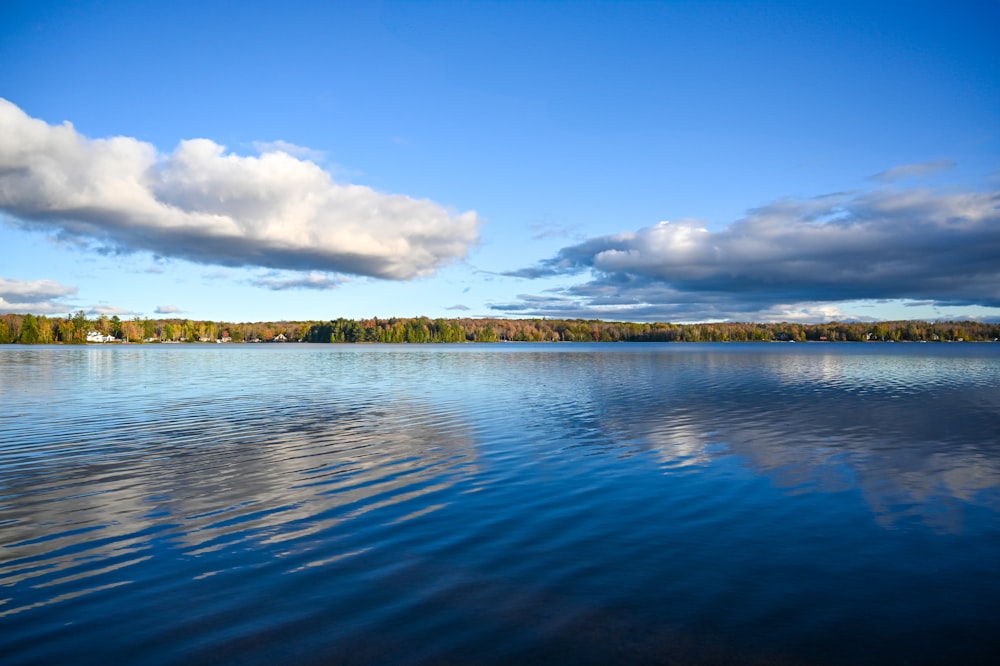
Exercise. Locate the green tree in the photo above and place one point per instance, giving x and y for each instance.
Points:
(79, 327)
(487, 334)
(29, 330)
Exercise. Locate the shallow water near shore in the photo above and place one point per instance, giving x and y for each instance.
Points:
(558, 503)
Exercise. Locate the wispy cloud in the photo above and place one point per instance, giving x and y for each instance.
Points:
(167, 309)
(917, 170)
(315, 281)
(110, 310)
(459, 306)
(543, 230)
(35, 296)
(788, 259)
(279, 146)
(203, 204)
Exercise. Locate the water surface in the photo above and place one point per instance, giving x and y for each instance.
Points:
(566, 503)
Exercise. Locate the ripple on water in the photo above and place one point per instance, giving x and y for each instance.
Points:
(701, 504)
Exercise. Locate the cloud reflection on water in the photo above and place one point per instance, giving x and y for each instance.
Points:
(260, 472)
(916, 439)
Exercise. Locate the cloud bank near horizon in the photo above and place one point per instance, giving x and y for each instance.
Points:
(36, 296)
(793, 259)
(206, 205)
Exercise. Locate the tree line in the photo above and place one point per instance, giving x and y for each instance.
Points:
(75, 327)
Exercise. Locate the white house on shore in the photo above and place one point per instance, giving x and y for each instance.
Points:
(97, 336)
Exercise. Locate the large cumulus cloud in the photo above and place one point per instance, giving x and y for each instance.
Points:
(204, 204)
(789, 257)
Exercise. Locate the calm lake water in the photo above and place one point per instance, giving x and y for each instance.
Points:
(507, 503)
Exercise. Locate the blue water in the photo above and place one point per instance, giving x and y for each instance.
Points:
(508, 503)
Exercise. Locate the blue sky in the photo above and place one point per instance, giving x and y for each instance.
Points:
(675, 161)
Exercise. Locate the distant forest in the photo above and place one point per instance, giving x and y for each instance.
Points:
(79, 329)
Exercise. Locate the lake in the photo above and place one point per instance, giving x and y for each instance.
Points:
(577, 503)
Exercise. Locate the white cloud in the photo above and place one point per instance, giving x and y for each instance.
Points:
(110, 310)
(34, 296)
(167, 309)
(33, 307)
(19, 291)
(204, 204)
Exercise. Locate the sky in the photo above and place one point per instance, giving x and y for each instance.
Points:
(655, 161)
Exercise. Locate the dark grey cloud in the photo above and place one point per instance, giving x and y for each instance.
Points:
(788, 257)
(204, 204)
